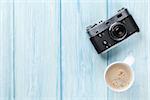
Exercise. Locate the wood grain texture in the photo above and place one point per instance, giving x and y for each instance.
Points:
(37, 50)
(82, 67)
(137, 45)
(45, 52)
(6, 50)
(148, 53)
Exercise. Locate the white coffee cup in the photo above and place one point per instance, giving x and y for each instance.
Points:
(126, 63)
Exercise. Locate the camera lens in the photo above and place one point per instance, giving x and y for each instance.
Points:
(118, 31)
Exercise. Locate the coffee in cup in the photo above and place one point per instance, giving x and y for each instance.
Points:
(119, 76)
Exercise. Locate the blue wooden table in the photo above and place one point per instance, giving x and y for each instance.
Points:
(45, 53)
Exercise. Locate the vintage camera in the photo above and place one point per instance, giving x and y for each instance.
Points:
(106, 35)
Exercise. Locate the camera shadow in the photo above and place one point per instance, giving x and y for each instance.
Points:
(125, 47)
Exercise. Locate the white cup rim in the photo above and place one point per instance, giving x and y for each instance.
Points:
(119, 90)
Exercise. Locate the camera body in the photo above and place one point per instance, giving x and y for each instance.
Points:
(105, 35)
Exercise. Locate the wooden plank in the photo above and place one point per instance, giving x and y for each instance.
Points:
(6, 50)
(82, 67)
(137, 45)
(148, 53)
(37, 50)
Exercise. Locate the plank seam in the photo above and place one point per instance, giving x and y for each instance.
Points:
(108, 51)
(13, 51)
(61, 83)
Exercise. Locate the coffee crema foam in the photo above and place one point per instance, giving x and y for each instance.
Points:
(118, 76)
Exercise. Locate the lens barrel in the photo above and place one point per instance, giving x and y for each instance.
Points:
(117, 31)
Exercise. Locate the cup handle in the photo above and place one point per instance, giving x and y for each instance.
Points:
(129, 60)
